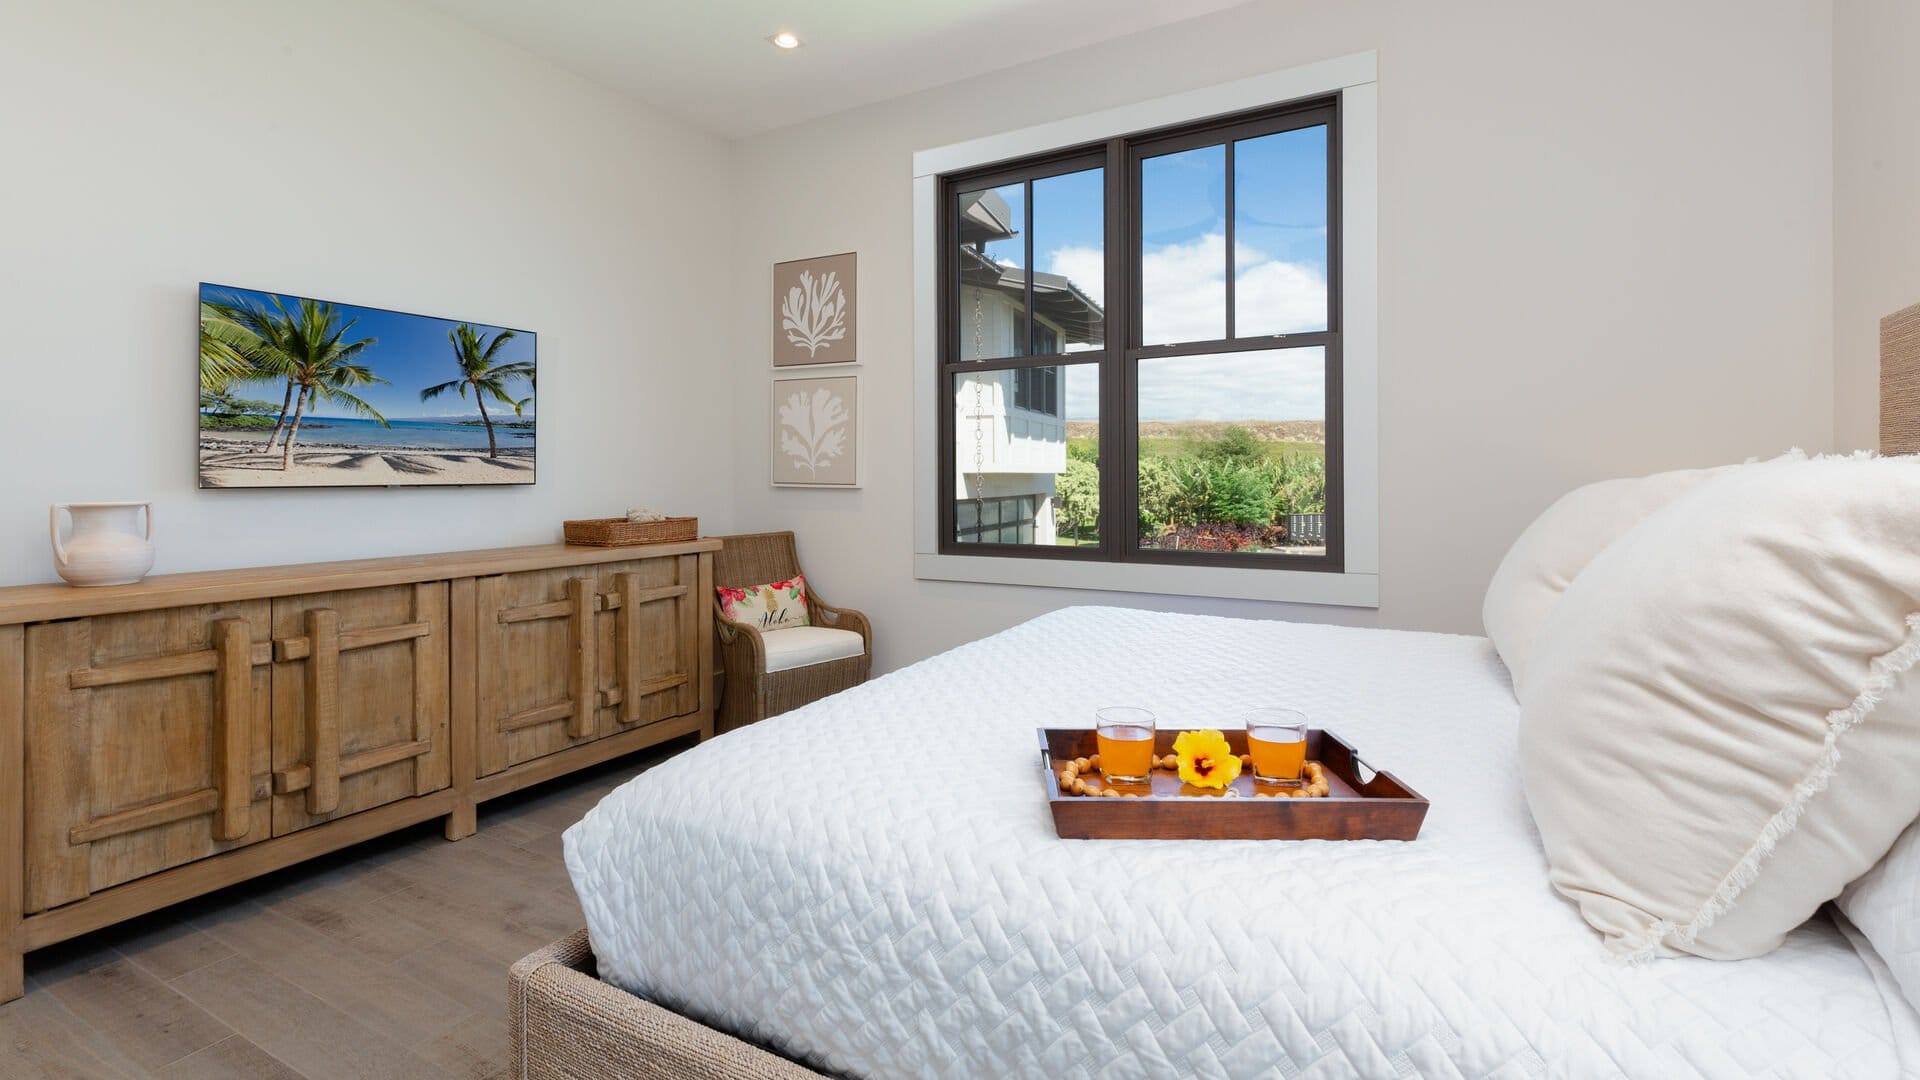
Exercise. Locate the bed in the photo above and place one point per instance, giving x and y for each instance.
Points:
(873, 917)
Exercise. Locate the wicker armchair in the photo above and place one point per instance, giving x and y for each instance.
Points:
(752, 692)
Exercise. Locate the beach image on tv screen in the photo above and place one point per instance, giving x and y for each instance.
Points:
(296, 392)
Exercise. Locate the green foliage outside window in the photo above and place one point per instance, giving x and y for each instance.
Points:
(1235, 478)
(1077, 494)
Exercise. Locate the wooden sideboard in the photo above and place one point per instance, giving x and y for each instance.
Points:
(164, 739)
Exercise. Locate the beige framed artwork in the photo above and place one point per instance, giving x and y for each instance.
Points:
(814, 316)
(816, 431)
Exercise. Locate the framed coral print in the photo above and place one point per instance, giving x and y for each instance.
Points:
(814, 321)
(816, 431)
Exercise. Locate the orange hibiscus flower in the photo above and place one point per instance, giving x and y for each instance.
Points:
(1205, 759)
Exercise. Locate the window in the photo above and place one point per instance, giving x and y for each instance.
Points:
(1139, 348)
(1037, 390)
(1007, 519)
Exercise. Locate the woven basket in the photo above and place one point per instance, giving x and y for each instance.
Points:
(618, 532)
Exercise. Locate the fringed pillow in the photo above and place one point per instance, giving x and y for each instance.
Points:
(1558, 545)
(1722, 723)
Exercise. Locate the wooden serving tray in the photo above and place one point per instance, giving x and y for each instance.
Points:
(1378, 807)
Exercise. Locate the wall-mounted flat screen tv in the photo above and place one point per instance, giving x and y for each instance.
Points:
(297, 392)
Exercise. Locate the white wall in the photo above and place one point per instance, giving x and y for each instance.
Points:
(362, 151)
(1606, 237)
(1876, 197)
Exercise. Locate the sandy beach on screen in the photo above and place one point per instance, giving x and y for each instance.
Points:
(239, 463)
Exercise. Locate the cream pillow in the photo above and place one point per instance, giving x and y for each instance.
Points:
(1885, 905)
(1721, 729)
(1558, 545)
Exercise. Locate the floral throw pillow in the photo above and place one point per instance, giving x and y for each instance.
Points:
(774, 606)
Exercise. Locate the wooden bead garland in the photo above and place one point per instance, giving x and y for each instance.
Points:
(1313, 773)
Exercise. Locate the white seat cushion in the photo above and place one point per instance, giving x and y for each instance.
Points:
(805, 646)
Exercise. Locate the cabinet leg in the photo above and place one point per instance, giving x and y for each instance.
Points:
(13, 973)
(463, 822)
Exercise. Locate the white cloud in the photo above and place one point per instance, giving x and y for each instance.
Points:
(1270, 384)
(1084, 266)
(1083, 392)
(1184, 289)
(1277, 297)
(1278, 384)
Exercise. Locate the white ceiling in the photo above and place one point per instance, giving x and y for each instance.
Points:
(709, 61)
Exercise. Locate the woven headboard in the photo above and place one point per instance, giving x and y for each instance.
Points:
(1900, 382)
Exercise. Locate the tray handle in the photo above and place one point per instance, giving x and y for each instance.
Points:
(1362, 771)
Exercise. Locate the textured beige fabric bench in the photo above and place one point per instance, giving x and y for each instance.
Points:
(568, 1025)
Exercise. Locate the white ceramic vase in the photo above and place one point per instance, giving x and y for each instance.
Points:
(107, 546)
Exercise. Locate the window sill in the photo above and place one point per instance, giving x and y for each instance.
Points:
(1230, 582)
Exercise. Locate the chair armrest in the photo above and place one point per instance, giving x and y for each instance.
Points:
(840, 618)
(745, 651)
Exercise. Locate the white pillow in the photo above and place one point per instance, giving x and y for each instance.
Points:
(1558, 545)
(1885, 905)
(1721, 727)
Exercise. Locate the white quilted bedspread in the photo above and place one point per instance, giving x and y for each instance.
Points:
(881, 917)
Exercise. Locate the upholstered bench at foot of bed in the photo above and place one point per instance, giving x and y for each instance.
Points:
(568, 1025)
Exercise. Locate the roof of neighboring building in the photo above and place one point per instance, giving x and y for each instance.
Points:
(1055, 297)
(985, 218)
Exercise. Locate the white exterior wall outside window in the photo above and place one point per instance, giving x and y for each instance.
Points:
(1020, 449)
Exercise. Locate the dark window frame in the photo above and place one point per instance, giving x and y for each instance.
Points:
(1117, 360)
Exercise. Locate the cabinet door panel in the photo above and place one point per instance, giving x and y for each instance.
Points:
(148, 744)
(541, 642)
(654, 639)
(359, 701)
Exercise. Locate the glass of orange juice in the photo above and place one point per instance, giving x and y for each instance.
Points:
(1125, 735)
(1277, 742)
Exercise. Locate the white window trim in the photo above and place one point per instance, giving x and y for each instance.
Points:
(1359, 585)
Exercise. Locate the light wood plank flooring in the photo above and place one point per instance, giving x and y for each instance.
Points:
(385, 960)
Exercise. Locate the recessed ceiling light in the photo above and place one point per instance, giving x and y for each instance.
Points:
(785, 39)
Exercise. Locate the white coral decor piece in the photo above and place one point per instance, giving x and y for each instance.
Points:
(813, 429)
(815, 312)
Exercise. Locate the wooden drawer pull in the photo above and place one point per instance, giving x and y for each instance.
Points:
(556, 609)
(614, 696)
(179, 808)
(300, 648)
(534, 717)
(582, 688)
(199, 662)
(626, 639)
(645, 595)
(232, 719)
(323, 710)
(300, 777)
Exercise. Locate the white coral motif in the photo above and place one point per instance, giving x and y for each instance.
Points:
(815, 312)
(813, 429)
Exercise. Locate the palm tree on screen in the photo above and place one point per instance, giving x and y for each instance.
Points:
(312, 353)
(229, 352)
(329, 382)
(481, 369)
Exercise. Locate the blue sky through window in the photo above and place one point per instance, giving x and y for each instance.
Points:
(1280, 271)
